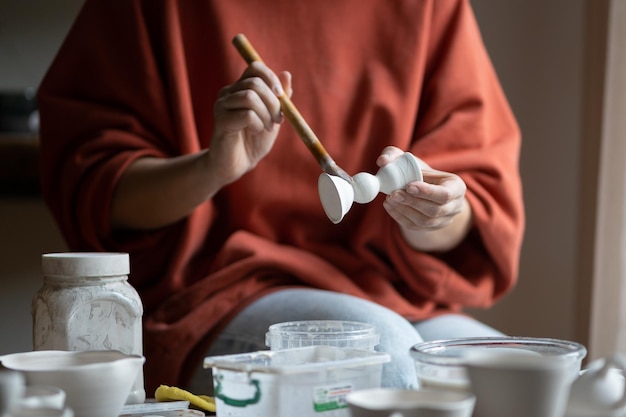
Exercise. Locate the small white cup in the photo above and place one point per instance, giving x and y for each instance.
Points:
(515, 385)
(11, 390)
(43, 396)
(42, 412)
(390, 402)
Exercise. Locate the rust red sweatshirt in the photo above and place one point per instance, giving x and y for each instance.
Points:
(137, 78)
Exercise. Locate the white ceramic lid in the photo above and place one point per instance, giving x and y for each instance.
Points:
(85, 264)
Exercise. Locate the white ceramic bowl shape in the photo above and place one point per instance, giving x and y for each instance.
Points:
(96, 383)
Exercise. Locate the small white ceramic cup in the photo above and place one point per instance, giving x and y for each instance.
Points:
(390, 402)
(514, 385)
(11, 390)
(42, 412)
(43, 396)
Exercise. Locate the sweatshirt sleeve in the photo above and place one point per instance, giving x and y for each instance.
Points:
(103, 104)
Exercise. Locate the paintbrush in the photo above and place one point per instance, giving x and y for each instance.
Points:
(247, 51)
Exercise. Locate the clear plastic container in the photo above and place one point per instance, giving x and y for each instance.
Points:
(303, 382)
(342, 334)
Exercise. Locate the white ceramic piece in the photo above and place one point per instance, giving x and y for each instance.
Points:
(515, 385)
(96, 383)
(366, 187)
(11, 389)
(42, 412)
(338, 195)
(600, 390)
(43, 396)
(390, 402)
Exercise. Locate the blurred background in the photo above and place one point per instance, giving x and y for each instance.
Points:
(550, 56)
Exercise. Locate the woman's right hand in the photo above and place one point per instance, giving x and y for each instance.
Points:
(155, 192)
(247, 121)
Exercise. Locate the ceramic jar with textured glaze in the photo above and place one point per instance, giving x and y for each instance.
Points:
(86, 303)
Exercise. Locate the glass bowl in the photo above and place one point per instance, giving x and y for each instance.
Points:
(441, 363)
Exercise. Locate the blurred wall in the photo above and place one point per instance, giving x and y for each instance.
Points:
(31, 31)
(538, 50)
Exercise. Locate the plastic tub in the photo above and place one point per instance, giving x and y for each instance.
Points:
(305, 382)
(343, 334)
(441, 364)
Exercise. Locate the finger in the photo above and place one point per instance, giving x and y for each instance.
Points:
(397, 216)
(437, 186)
(259, 69)
(241, 110)
(285, 79)
(258, 77)
(256, 86)
(426, 209)
(388, 155)
(414, 219)
(252, 94)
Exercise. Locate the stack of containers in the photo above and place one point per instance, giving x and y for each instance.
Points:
(311, 367)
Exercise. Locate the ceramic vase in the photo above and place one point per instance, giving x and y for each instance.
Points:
(338, 195)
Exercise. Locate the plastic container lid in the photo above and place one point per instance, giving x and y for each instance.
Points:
(296, 361)
(85, 264)
(343, 334)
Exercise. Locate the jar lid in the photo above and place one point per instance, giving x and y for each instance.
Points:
(85, 264)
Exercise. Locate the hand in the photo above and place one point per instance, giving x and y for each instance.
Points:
(433, 213)
(247, 121)
(155, 192)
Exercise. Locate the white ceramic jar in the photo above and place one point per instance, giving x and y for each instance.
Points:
(86, 303)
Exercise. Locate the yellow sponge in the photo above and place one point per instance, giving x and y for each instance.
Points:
(166, 393)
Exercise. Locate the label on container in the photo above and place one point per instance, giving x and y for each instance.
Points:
(330, 397)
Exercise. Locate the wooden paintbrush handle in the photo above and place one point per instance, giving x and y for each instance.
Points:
(250, 55)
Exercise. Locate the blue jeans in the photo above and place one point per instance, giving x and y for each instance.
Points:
(246, 332)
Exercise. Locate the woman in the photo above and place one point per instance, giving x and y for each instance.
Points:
(158, 140)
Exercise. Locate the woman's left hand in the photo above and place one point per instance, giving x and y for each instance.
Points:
(428, 210)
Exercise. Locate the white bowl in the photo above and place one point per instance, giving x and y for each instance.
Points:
(96, 383)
